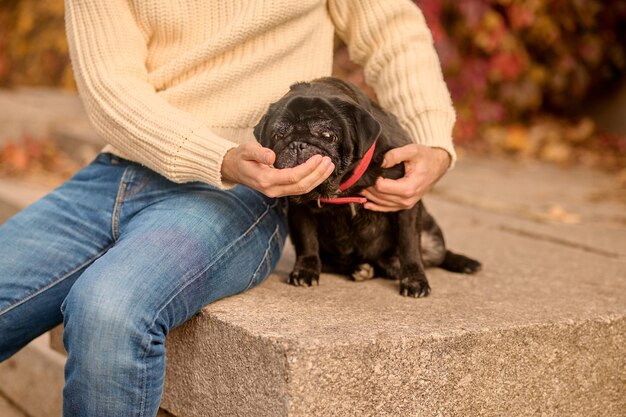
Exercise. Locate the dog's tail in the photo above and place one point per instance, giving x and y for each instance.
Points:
(454, 262)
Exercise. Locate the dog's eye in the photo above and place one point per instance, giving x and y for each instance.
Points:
(277, 136)
(328, 135)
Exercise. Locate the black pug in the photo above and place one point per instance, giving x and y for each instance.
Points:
(333, 118)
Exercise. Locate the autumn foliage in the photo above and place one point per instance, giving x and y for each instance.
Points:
(521, 74)
(507, 60)
(36, 158)
(33, 47)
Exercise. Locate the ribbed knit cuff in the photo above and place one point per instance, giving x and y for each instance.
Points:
(434, 129)
(199, 158)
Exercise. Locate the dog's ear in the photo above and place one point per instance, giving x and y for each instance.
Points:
(260, 132)
(366, 128)
(363, 126)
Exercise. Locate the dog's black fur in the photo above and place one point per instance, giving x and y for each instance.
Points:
(330, 117)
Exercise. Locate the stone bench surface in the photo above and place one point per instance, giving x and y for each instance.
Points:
(540, 331)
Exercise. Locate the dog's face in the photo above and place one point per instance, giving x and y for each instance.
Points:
(318, 118)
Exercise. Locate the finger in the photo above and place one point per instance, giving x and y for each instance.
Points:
(391, 202)
(398, 155)
(377, 207)
(308, 183)
(378, 198)
(403, 187)
(253, 151)
(290, 176)
(291, 181)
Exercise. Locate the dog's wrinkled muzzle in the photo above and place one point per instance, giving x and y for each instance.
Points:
(296, 153)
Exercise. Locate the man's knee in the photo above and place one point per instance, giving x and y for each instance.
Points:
(101, 318)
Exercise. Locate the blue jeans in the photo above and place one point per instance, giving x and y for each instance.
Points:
(121, 256)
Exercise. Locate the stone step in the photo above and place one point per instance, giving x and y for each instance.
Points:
(16, 194)
(49, 113)
(33, 379)
(540, 331)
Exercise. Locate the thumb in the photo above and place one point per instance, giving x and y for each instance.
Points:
(398, 155)
(256, 152)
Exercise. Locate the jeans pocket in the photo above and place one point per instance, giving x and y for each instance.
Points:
(269, 260)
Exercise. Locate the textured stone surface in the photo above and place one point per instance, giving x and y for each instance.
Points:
(42, 113)
(38, 112)
(33, 379)
(540, 331)
(527, 198)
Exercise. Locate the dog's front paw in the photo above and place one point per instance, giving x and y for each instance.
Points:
(413, 288)
(306, 271)
(302, 277)
(414, 283)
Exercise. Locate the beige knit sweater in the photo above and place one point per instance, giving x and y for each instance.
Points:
(175, 84)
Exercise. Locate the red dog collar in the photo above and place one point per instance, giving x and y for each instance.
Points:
(356, 175)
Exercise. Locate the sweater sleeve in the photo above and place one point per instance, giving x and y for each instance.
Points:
(108, 51)
(392, 42)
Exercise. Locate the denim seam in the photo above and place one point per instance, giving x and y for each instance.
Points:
(182, 288)
(273, 204)
(209, 266)
(264, 260)
(144, 376)
(52, 284)
(117, 207)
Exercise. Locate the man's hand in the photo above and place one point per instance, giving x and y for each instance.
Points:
(250, 164)
(423, 166)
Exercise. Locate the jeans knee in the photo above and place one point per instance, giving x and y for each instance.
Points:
(101, 322)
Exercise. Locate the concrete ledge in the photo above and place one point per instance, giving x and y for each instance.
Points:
(540, 331)
(33, 379)
(559, 370)
(487, 346)
(16, 194)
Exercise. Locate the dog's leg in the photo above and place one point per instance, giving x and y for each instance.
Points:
(337, 265)
(413, 282)
(303, 230)
(388, 267)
